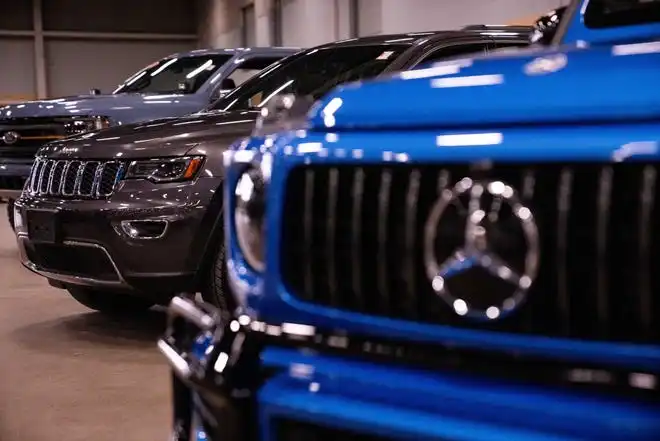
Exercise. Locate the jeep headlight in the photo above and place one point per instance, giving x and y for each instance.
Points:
(249, 216)
(165, 169)
(79, 126)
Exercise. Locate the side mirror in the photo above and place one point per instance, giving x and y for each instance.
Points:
(227, 84)
(94, 91)
(546, 26)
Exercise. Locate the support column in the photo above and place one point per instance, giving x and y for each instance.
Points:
(39, 51)
(220, 24)
(263, 24)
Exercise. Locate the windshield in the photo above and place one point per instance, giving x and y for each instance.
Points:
(312, 73)
(611, 13)
(174, 75)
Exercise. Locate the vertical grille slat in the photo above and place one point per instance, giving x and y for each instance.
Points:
(646, 226)
(362, 235)
(331, 229)
(74, 178)
(382, 238)
(356, 237)
(563, 209)
(410, 221)
(308, 218)
(603, 213)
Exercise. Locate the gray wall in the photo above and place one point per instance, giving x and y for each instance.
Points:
(311, 22)
(50, 48)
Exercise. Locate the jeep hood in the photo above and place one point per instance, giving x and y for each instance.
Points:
(159, 138)
(528, 87)
(121, 108)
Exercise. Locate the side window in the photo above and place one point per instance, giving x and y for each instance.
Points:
(241, 73)
(249, 68)
(457, 51)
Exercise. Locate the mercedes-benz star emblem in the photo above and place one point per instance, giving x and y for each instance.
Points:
(10, 138)
(488, 269)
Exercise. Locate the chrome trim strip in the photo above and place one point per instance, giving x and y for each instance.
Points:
(41, 176)
(126, 224)
(180, 307)
(70, 278)
(51, 175)
(177, 362)
(33, 175)
(114, 178)
(72, 169)
(79, 174)
(96, 182)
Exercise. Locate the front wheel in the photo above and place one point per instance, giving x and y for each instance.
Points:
(10, 213)
(216, 287)
(109, 303)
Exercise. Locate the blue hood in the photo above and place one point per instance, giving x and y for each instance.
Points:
(120, 108)
(551, 86)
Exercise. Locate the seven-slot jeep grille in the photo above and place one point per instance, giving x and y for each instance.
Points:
(353, 239)
(74, 178)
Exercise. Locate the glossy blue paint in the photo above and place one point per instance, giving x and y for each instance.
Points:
(612, 143)
(573, 103)
(577, 31)
(408, 404)
(569, 85)
(125, 108)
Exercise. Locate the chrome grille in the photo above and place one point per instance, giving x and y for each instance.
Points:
(74, 178)
(353, 239)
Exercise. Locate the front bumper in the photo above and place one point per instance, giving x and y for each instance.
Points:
(82, 242)
(256, 382)
(13, 174)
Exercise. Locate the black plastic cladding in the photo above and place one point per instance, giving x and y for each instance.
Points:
(357, 234)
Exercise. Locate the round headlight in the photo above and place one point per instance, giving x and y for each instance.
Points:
(249, 216)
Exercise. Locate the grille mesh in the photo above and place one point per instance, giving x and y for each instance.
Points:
(74, 178)
(353, 239)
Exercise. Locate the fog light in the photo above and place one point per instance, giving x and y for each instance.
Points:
(144, 229)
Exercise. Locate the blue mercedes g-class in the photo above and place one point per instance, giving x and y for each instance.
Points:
(461, 252)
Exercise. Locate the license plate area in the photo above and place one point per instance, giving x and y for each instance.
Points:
(42, 226)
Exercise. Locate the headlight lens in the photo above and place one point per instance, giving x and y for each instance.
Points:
(165, 169)
(78, 126)
(249, 216)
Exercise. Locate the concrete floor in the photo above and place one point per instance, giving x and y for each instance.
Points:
(67, 373)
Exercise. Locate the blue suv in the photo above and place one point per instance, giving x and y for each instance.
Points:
(461, 252)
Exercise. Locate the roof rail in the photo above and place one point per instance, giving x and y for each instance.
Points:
(484, 27)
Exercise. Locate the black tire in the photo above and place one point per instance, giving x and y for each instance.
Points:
(216, 289)
(109, 303)
(10, 213)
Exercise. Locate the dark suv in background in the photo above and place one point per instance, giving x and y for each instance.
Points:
(176, 85)
(129, 216)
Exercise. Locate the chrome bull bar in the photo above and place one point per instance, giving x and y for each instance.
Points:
(216, 373)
